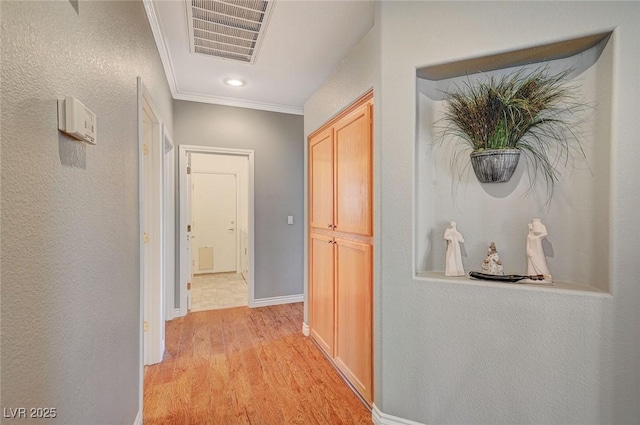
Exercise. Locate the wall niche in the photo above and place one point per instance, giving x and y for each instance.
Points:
(578, 215)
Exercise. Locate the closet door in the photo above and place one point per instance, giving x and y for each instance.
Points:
(353, 172)
(354, 303)
(321, 180)
(321, 291)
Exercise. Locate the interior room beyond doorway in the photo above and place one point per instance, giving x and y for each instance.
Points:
(219, 233)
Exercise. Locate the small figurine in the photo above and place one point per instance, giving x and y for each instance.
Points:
(453, 259)
(536, 261)
(492, 263)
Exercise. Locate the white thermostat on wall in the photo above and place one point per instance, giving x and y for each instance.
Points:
(76, 120)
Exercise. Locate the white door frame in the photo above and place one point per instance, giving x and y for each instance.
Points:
(183, 152)
(169, 220)
(150, 218)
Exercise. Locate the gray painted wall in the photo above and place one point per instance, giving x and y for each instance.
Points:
(70, 259)
(453, 353)
(278, 142)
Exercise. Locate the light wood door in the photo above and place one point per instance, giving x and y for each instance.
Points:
(354, 300)
(353, 170)
(321, 180)
(321, 293)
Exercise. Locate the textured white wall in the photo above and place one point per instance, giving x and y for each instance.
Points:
(502, 355)
(70, 258)
(353, 78)
(451, 354)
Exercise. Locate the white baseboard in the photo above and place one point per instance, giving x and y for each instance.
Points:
(380, 418)
(138, 420)
(305, 329)
(176, 313)
(287, 299)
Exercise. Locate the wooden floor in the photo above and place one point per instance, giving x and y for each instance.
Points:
(246, 366)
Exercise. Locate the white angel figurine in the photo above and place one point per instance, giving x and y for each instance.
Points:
(536, 261)
(453, 259)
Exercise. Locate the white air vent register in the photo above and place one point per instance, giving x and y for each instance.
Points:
(229, 29)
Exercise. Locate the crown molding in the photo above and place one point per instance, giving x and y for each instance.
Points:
(163, 50)
(239, 103)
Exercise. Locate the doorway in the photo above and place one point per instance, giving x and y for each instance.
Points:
(218, 222)
(216, 227)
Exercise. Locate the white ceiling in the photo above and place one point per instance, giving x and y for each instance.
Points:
(304, 42)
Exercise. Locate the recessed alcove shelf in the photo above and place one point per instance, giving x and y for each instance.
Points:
(577, 217)
(560, 287)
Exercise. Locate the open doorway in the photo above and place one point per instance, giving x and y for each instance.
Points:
(216, 228)
(219, 230)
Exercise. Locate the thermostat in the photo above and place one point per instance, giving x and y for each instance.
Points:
(76, 120)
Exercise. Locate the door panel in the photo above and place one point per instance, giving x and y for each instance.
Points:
(353, 173)
(321, 180)
(321, 288)
(214, 222)
(354, 300)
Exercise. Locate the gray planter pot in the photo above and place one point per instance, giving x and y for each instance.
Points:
(495, 166)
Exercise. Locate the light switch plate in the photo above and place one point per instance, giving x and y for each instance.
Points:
(290, 219)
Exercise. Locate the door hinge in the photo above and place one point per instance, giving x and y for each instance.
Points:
(145, 149)
(188, 170)
(145, 326)
(145, 237)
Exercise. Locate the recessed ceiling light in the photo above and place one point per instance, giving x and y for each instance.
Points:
(234, 82)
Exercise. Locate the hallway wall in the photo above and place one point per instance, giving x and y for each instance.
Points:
(70, 226)
(495, 354)
(278, 142)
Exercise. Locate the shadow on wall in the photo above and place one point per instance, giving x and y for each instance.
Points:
(73, 153)
(76, 5)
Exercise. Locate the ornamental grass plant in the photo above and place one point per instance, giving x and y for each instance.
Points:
(535, 112)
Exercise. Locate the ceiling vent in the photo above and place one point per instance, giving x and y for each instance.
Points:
(229, 29)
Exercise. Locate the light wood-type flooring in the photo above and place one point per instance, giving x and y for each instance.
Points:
(246, 366)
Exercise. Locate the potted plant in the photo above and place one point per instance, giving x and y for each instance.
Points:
(523, 111)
